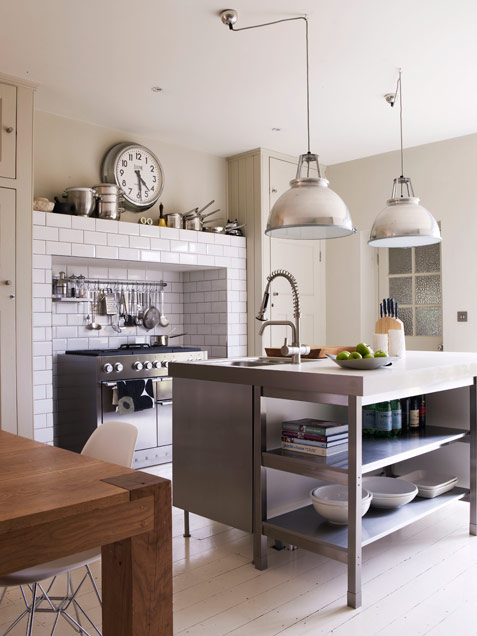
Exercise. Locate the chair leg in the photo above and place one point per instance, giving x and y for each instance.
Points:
(91, 578)
(32, 611)
(2, 596)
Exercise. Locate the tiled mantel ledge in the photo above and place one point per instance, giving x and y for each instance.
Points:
(202, 262)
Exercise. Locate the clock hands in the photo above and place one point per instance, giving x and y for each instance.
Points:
(141, 182)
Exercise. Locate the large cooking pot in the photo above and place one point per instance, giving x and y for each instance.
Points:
(162, 340)
(109, 197)
(83, 200)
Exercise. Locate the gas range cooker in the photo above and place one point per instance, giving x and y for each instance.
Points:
(132, 361)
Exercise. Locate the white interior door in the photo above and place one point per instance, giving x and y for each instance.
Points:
(303, 259)
(8, 405)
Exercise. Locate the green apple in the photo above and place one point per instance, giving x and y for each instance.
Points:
(343, 355)
(355, 355)
(363, 349)
(368, 355)
(380, 354)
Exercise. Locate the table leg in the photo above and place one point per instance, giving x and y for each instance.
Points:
(137, 572)
(473, 459)
(186, 524)
(354, 501)
(260, 557)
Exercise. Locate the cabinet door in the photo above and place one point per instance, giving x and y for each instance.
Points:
(8, 130)
(8, 405)
(303, 260)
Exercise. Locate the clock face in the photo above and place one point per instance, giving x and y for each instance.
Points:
(138, 173)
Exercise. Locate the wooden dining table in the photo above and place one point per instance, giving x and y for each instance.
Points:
(55, 503)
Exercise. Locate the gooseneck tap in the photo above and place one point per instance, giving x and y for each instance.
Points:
(295, 350)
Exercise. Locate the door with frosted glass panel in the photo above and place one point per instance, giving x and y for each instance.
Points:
(413, 277)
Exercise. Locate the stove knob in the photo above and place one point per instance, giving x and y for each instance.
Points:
(157, 364)
(165, 364)
(148, 365)
(137, 366)
(107, 368)
(118, 367)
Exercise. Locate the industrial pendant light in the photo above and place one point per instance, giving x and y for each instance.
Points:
(404, 222)
(309, 209)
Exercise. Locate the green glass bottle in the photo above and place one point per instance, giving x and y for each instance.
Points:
(369, 420)
(384, 424)
(396, 417)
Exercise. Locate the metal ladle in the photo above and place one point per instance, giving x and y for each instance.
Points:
(93, 325)
(163, 320)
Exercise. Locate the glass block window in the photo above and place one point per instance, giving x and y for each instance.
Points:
(415, 282)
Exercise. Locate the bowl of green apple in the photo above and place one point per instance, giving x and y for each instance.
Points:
(362, 359)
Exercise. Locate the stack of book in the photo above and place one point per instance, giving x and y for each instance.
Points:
(315, 437)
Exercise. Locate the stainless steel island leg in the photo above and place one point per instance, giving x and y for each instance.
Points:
(260, 558)
(354, 501)
(473, 458)
(186, 524)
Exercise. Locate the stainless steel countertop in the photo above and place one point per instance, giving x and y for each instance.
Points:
(419, 372)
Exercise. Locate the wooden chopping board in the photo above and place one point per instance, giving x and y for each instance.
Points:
(315, 352)
(383, 325)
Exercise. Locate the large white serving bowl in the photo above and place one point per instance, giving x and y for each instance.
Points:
(331, 502)
(389, 492)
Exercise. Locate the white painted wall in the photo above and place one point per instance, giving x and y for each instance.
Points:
(68, 153)
(443, 176)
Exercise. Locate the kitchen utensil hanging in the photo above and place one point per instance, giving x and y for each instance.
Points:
(163, 320)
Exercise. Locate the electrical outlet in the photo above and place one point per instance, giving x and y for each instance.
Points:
(461, 316)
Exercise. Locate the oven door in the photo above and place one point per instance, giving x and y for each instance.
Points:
(145, 421)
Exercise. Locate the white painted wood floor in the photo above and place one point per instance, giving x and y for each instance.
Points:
(420, 580)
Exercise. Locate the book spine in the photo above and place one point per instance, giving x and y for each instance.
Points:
(302, 448)
(315, 430)
(316, 438)
(310, 442)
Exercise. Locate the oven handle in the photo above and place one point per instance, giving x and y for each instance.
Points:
(114, 385)
(164, 402)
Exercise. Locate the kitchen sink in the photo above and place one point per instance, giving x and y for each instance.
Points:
(258, 362)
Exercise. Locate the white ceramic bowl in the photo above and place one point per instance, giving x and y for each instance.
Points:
(331, 502)
(389, 492)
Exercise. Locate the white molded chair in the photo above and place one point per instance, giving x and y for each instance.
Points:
(111, 442)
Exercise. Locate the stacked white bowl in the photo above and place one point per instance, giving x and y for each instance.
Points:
(389, 492)
(331, 502)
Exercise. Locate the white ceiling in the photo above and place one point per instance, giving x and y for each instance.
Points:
(96, 60)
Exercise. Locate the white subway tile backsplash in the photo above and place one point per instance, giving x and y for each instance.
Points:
(170, 233)
(98, 272)
(207, 261)
(41, 290)
(215, 250)
(74, 344)
(38, 217)
(118, 240)
(132, 229)
(136, 274)
(153, 231)
(103, 251)
(95, 238)
(59, 345)
(65, 332)
(160, 244)
(38, 247)
(179, 246)
(42, 406)
(42, 319)
(71, 236)
(169, 257)
(187, 259)
(153, 257)
(42, 377)
(197, 248)
(60, 319)
(44, 233)
(127, 254)
(58, 249)
(85, 251)
(83, 223)
(107, 225)
(141, 242)
(188, 235)
(39, 420)
(58, 220)
(38, 276)
(206, 237)
(44, 435)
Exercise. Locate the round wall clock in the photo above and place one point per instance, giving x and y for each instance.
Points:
(137, 171)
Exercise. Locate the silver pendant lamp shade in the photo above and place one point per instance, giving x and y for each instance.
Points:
(309, 209)
(404, 222)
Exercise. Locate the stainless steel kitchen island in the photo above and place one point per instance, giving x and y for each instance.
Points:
(225, 419)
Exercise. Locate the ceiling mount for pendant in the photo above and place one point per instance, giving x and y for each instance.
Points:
(309, 209)
(404, 222)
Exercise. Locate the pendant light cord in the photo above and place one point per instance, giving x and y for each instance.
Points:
(302, 17)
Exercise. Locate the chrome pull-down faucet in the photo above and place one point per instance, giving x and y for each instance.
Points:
(295, 350)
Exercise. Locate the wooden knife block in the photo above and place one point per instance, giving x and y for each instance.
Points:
(383, 325)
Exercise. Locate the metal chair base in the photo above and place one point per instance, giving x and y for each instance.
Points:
(62, 606)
